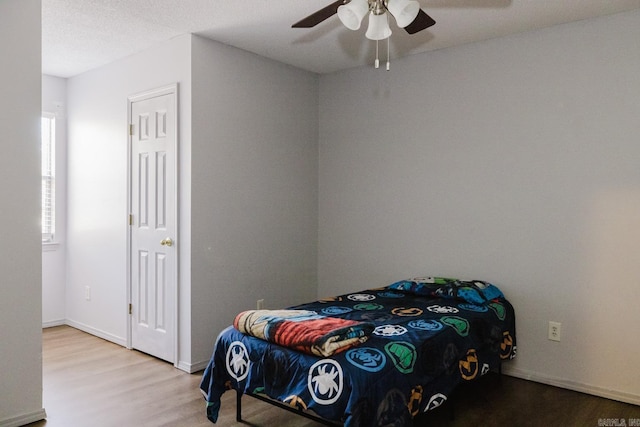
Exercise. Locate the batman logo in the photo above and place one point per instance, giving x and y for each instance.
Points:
(407, 312)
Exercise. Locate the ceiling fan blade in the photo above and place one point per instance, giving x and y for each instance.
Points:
(319, 16)
(422, 21)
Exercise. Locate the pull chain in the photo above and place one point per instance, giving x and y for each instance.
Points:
(377, 61)
(388, 62)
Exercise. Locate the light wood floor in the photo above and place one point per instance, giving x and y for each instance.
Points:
(92, 382)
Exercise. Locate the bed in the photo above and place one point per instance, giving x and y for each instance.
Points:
(383, 356)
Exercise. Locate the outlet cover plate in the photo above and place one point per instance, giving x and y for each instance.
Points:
(554, 331)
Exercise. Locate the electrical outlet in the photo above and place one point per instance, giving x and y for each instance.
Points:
(87, 293)
(554, 331)
(260, 304)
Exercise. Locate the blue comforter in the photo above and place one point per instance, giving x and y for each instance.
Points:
(424, 344)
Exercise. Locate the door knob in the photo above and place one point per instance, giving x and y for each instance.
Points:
(166, 242)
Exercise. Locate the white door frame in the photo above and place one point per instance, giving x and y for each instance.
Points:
(165, 90)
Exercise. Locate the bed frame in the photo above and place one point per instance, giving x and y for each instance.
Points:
(311, 416)
(280, 405)
(494, 357)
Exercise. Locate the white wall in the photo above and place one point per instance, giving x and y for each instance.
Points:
(254, 187)
(97, 181)
(514, 160)
(248, 188)
(54, 100)
(20, 260)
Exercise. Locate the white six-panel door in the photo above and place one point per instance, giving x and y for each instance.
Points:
(153, 222)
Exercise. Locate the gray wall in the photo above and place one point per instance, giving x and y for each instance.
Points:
(254, 187)
(20, 260)
(97, 224)
(513, 160)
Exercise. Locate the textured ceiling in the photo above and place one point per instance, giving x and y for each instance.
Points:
(79, 35)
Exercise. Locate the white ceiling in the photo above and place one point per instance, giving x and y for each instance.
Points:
(79, 35)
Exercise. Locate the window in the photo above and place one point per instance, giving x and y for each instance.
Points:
(48, 177)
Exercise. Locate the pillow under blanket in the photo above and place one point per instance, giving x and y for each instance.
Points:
(476, 292)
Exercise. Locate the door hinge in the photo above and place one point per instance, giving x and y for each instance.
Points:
(130, 308)
(131, 130)
(130, 219)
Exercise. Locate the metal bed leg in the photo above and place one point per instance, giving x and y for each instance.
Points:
(287, 407)
(238, 406)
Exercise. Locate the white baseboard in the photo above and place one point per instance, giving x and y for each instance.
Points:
(192, 367)
(620, 396)
(24, 419)
(183, 366)
(52, 323)
(97, 332)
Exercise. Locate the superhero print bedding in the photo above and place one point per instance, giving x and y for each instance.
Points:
(416, 341)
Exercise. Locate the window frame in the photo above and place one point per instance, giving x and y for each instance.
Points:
(49, 237)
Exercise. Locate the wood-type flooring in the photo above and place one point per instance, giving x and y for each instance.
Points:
(92, 382)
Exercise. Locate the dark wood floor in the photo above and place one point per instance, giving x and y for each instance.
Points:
(91, 382)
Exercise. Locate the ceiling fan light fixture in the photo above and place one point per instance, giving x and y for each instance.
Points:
(404, 11)
(407, 14)
(378, 27)
(352, 13)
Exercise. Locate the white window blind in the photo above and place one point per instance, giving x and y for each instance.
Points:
(48, 177)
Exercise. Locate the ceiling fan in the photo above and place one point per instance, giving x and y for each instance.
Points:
(407, 13)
